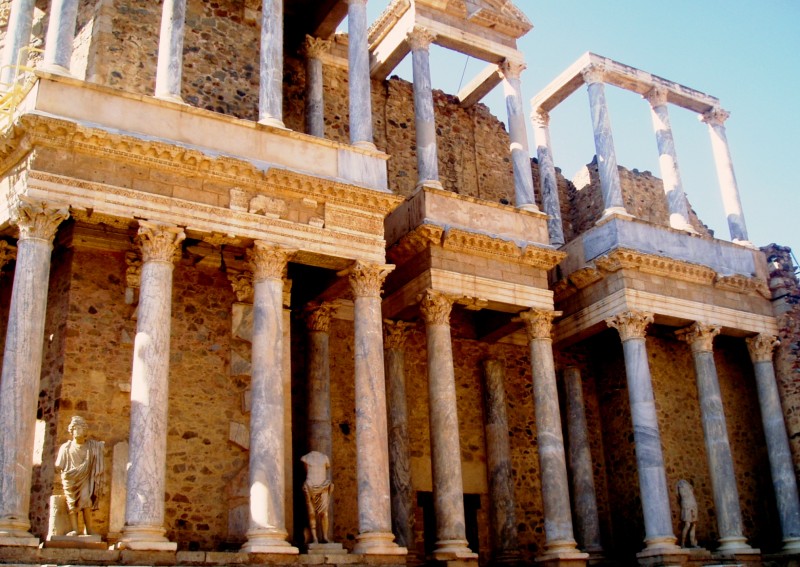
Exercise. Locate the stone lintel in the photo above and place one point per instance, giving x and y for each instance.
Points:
(483, 83)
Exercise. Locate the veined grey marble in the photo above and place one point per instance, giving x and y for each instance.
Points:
(547, 177)
(270, 99)
(22, 365)
(520, 155)
(169, 71)
(587, 521)
(498, 462)
(60, 34)
(18, 35)
(427, 154)
(358, 75)
(315, 98)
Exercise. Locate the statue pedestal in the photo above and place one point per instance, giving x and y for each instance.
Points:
(76, 542)
(326, 549)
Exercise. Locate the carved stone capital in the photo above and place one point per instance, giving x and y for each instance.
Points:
(366, 280)
(512, 69)
(268, 262)
(541, 117)
(242, 284)
(133, 273)
(159, 242)
(37, 220)
(657, 96)
(318, 317)
(395, 334)
(630, 324)
(435, 307)
(761, 347)
(699, 336)
(715, 117)
(315, 47)
(8, 252)
(593, 73)
(420, 38)
(539, 323)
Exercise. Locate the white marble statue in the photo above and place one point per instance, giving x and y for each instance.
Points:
(688, 513)
(318, 489)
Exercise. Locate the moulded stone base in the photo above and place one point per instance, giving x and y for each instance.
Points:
(735, 546)
(76, 542)
(791, 545)
(530, 207)
(565, 555)
(378, 543)
(326, 549)
(453, 549)
(614, 213)
(663, 553)
(147, 545)
(274, 549)
(12, 541)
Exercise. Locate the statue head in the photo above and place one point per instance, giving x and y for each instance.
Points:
(76, 422)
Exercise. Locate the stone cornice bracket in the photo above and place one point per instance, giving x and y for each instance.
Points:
(269, 262)
(8, 252)
(593, 73)
(395, 334)
(316, 47)
(159, 242)
(538, 323)
(318, 316)
(472, 303)
(420, 38)
(512, 69)
(133, 273)
(435, 307)
(540, 117)
(657, 96)
(366, 280)
(699, 336)
(761, 347)
(37, 220)
(630, 324)
(242, 284)
(715, 117)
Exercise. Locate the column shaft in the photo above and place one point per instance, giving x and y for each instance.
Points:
(60, 35)
(169, 72)
(315, 97)
(320, 431)
(359, 77)
(520, 154)
(18, 36)
(427, 155)
(270, 100)
(547, 178)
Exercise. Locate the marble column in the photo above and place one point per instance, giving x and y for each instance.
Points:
(559, 538)
(419, 40)
(394, 339)
(144, 503)
(668, 160)
(659, 537)
(267, 533)
(320, 431)
(358, 75)
(587, 520)
(511, 71)
(18, 36)
(610, 185)
(780, 457)
(372, 445)
(448, 488)
(60, 35)
(270, 94)
(22, 366)
(715, 118)
(547, 177)
(169, 71)
(700, 338)
(498, 464)
(313, 49)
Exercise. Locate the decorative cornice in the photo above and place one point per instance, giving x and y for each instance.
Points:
(366, 280)
(395, 334)
(542, 257)
(630, 324)
(268, 262)
(318, 316)
(699, 336)
(315, 47)
(8, 252)
(159, 242)
(242, 284)
(37, 220)
(383, 24)
(743, 284)
(539, 323)
(420, 38)
(624, 258)
(715, 117)
(585, 277)
(479, 244)
(472, 303)
(761, 347)
(435, 307)
(422, 237)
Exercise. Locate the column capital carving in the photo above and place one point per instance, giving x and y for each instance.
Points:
(315, 47)
(159, 242)
(420, 38)
(630, 324)
(541, 117)
(435, 307)
(242, 284)
(395, 334)
(512, 69)
(8, 252)
(318, 316)
(593, 73)
(699, 336)
(715, 117)
(133, 273)
(366, 280)
(657, 96)
(37, 220)
(761, 347)
(268, 262)
(539, 323)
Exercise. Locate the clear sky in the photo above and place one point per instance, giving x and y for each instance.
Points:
(745, 53)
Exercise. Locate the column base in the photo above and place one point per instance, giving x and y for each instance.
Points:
(170, 98)
(56, 70)
(377, 543)
(453, 549)
(14, 541)
(562, 552)
(529, 207)
(662, 551)
(326, 549)
(145, 538)
(734, 546)
(745, 243)
(429, 184)
(614, 213)
(364, 145)
(791, 545)
(14, 533)
(269, 541)
(273, 122)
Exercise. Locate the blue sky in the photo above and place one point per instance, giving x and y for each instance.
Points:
(747, 54)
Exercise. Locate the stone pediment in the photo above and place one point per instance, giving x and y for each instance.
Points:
(500, 15)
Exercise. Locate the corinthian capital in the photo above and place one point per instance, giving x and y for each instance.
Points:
(435, 307)
(318, 317)
(395, 334)
(699, 336)
(315, 47)
(37, 220)
(540, 117)
(512, 69)
(715, 117)
(593, 73)
(761, 347)
(419, 38)
(7, 253)
(630, 324)
(539, 323)
(242, 284)
(366, 279)
(159, 242)
(657, 96)
(268, 262)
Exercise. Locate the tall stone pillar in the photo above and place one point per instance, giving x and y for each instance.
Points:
(60, 35)
(732, 203)
(668, 160)
(267, 533)
(394, 339)
(448, 488)
(587, 520)
(780, 457)
(720, 462)
(22, 366)
(659, 537)
(18, 36)
(358, 74)
(270, 99)
(547, 177)
(511, 71)
(559, 539)
(169, 72)
(144, 503)
(498, 464)
(313, 49)
(320, 431)
(372, 449)
(604, 142)
(420, 39)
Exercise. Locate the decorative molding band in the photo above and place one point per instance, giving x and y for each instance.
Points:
(624, 258)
